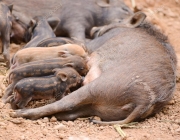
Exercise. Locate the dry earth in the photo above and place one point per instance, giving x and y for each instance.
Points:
(163, 126)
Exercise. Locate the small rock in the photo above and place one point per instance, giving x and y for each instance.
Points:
(60, 127)
(172, 102)
(64, 122)
(62, 136)
(39, 122)
(97, 118)
(45, 120)
(101, 127)
(45, 132)
(16, 121)
(70, 123)
(147, 135)
(53, 119)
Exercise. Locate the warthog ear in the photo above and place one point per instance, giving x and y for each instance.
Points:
(10, 8)
(69, 65)
(62, 76)
(102, 3)
(136, 20)
(53, 22)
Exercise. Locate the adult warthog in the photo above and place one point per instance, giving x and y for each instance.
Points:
(132, 75)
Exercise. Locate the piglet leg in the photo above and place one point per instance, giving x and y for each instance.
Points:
(69, 103)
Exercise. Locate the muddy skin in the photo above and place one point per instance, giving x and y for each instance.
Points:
(87, 14)
(35, 53)
(49, 87)
(137, 79)
(39, 29)
(43, 68)
(6, 24)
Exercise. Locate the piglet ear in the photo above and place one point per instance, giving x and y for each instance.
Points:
(66, 55)
(62, 76)
(69, 65)
(32, 23)
(60, 53)
(56, 70)
(10, 8)
(102, 3)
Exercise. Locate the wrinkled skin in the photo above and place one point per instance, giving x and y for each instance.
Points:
(137, 78)
(34, 54)
(43, 68)
(49, 87)
(5, 29)
(86, 14)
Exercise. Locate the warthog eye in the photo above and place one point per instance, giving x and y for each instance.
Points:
(81, 68)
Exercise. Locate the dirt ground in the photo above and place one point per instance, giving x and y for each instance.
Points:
(163, 126)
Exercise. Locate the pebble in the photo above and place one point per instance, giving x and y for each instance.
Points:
(97, 118)
(172, 102)
(16, 121)
(39, 122)
(62, 136)
(53, 119)
(101, 128)
(45, 120)
(70, 123)
(147, 135)
(60, 127)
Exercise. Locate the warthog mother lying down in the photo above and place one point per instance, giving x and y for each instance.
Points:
(132, 75)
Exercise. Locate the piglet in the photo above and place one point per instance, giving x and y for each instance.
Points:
(41, 53)
(43, 68)
(54, 86)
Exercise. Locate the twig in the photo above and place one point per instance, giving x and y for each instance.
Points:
(120, 131)
(133, 4)
(169, 121)
(129, 125)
